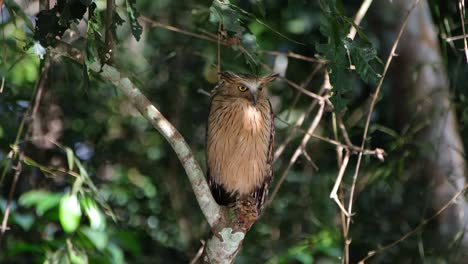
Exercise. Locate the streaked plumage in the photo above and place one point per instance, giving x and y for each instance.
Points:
(240, 135)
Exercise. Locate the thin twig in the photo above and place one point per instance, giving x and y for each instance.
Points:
(293, 55)
(31, 113)
(27, 115)
(300, 120)
(210, 37)
(18, 171)
(41, 86)
(359, 16)
(109, 42)
(299, 87)
(280, 149)
(309, 159)
(410, 233)
(178, 30)
(333, 194)
(199, 253)
(354, 149)
(2, 85)
(343, 130)
(203, 92)
(450, 39)
(304, 84)
(461, 6)
(299, 149)
(371, 108)
(302, 90)
(219, 48)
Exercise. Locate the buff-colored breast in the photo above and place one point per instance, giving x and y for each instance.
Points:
(238, 143)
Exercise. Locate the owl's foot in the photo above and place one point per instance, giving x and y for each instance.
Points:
(246, 213)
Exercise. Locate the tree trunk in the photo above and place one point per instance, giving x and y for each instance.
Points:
(421, 97)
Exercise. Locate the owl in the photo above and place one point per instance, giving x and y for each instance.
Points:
(240, 139)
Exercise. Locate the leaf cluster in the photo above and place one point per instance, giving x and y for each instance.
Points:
(343, 54)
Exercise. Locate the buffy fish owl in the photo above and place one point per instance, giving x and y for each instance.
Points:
(240, 138)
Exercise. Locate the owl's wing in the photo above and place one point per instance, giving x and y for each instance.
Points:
(261, 193)
(221, 196)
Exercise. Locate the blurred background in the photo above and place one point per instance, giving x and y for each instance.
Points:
(85, 178)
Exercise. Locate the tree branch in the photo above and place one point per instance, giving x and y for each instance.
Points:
(208, 205)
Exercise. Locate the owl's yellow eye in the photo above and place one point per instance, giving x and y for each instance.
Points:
(242, 88)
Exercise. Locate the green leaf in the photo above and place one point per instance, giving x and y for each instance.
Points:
(76, 256)
(249, 43)
(342, 52)
(98, 238)
(117, 20)
(69, 213)
(31, 162)
(116, 254)
(24, 220)
(70, 158)
(362, 54)
(133, 14)
(81, 169)
(96, 217)
(95, 46)
(42, 200)
(221, 12)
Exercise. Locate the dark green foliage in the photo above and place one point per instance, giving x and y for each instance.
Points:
(362, 55)
(133, 15)
(136, 204)
(116, 22)
(233, 22)
(51, 24)
(342, 52)
(230, 19)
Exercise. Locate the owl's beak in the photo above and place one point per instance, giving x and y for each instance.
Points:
(254, 98)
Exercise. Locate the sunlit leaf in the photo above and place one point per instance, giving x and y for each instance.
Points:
(76, 256)
(69, 213)
(81, 169)
(95, 216)
(41, 200)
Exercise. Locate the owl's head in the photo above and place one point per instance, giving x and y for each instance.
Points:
(246, 86)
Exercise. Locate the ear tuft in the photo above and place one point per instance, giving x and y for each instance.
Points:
(269, 78)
